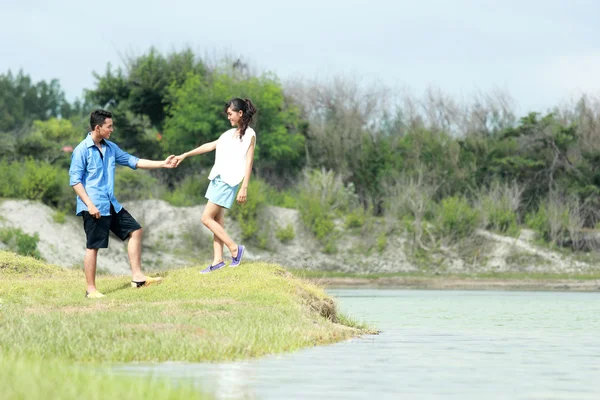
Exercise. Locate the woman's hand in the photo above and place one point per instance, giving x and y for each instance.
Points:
(178, 159)
(170, 162)
(242, 195)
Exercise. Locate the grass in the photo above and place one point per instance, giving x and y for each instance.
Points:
(23, 378)
(236, 313)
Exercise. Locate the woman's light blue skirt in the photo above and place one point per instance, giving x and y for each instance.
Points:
(221, 193)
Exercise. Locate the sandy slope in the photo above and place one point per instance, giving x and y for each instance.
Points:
(175, 236)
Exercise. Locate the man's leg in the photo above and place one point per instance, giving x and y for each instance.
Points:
(134, 250)
(211, 210)
(89, 266)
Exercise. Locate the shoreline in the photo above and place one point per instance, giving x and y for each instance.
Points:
(454, 283)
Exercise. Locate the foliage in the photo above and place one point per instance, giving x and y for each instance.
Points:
(36, 180)
(323, 197)
(23, 101)
(196, 117)
(401, 156)
(189, 192)
(20, 242)
(59, 217)
(249, 214)
(356, 219)
(456, 218)
(134, 184)
(499, 206)
(285, 234)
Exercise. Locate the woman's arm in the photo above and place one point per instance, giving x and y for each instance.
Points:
(205, 148)
(243, 192)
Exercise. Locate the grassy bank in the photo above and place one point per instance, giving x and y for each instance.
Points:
(475, 281)
(236, 313)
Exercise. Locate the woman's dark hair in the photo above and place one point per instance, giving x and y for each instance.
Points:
(98, 117)
(248, 109)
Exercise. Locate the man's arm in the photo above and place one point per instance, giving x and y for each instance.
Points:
(124, 158)
(80, 190)
(76, 173)
(151, 164)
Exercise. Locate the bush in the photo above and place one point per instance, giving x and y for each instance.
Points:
(322, 197)
(498, 207)
(456, 218)
(285, 234)
(355, 219)
(59, 217)
(557, 220)
(247, 214)
(20, 242)
(37, 180)
(10, 180)
(134, 185)
(190, 192)
(381, 242)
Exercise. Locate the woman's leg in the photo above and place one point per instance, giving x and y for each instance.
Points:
(209, 219)
(218, 243)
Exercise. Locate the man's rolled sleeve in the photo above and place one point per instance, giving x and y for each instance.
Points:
(124, 158)
(77, 168)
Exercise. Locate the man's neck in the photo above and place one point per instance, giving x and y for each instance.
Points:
(97, 139)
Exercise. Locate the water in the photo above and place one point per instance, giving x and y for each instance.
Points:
(433, 345)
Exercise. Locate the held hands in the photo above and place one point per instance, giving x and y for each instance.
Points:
(242, 195)
(170, 162)
(177, 160)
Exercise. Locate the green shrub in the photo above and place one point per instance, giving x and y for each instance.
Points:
(134, 184)
(10, 181)
(456, 218)
(381, 242)
(20, 242)
(286, 200)
(190, 192)
(247, 214)
(59, 217)
(285, 234)
(550, 221)
(322, 197)
(37, 180)
(498, 207)
(355, 219)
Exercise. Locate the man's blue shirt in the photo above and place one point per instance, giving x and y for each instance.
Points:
(96, 172)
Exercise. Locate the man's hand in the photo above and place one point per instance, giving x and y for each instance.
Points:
(178, 159)
(170, 162)
(242, 195)
(94, 211)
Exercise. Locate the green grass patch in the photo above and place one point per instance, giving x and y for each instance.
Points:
(23, 378)
(54, 343)
(233, 314)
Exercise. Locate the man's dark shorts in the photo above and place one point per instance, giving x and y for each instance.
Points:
(97, 230)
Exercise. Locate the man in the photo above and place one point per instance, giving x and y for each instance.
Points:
(92, 176)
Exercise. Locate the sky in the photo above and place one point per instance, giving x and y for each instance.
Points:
(540, 52)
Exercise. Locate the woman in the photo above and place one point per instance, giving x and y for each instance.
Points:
(233, 165)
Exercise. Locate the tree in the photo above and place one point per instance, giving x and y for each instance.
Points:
(22, 101)
(196, 117)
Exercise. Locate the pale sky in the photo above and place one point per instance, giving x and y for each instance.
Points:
(541, 52)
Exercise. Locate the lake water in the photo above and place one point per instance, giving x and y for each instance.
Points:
(432, 345)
